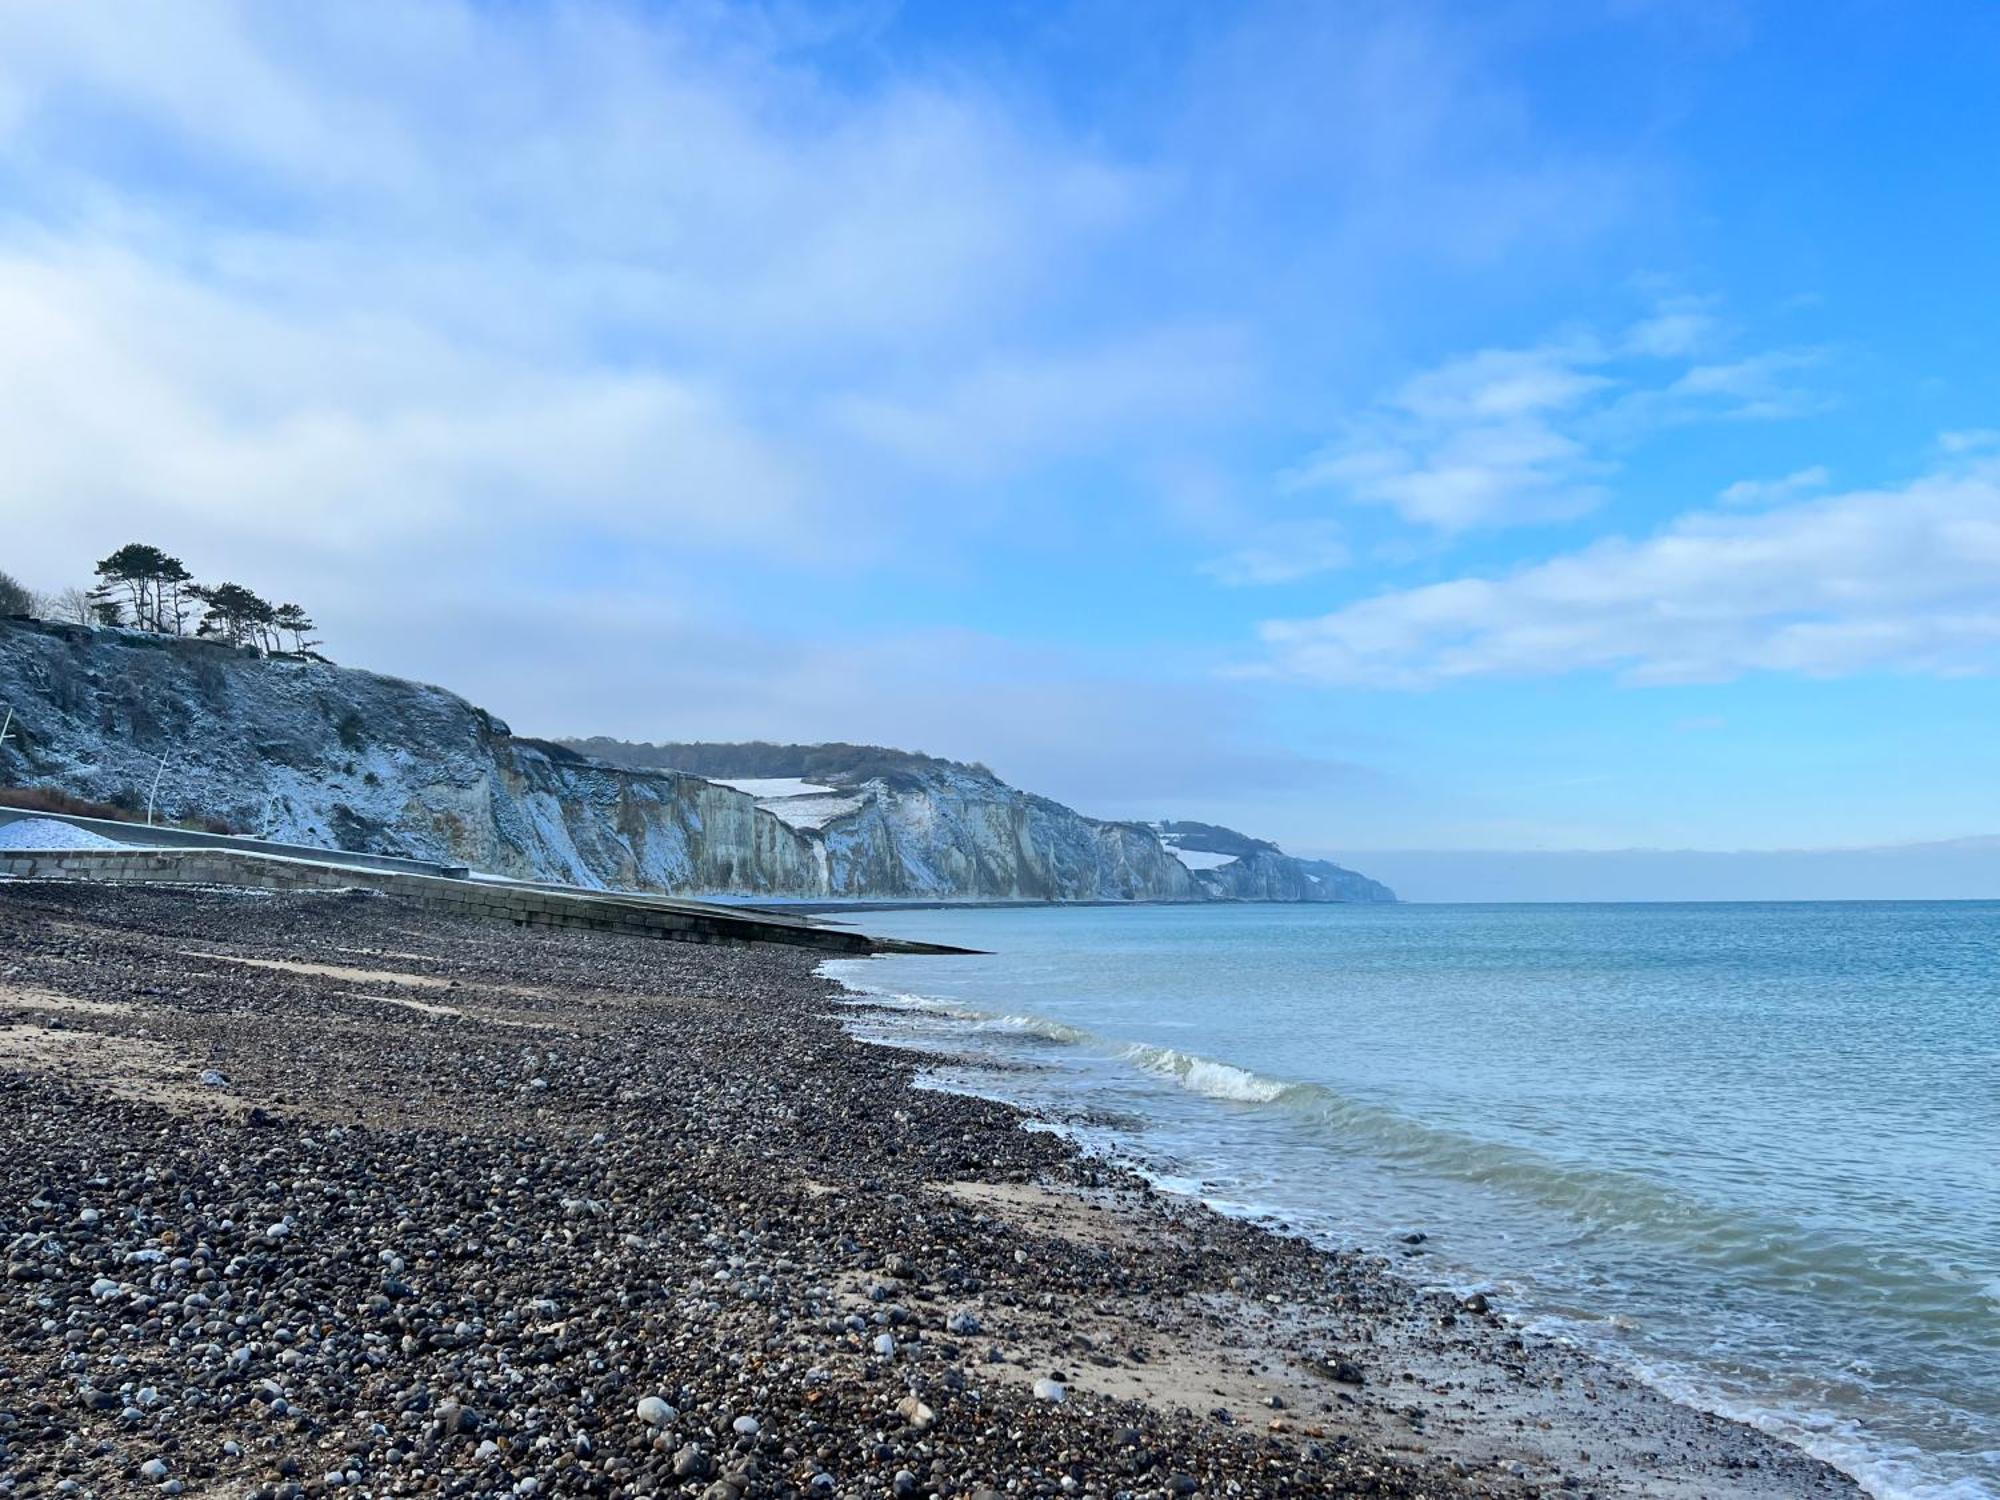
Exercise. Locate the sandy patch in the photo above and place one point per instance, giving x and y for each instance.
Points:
(1430, 1388)
(326, 971)
(418, 958)
(121, 1067)
(16, 998)
(1087, 1218)
(421, 1007)
(517, 1020)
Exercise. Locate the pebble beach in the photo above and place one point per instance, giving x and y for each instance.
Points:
(319, 1194)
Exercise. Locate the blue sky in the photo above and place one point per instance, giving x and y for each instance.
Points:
(1418, 426)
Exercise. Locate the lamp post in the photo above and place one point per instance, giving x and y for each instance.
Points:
(155, 789)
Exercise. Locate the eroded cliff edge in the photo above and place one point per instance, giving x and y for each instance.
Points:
(309, 752)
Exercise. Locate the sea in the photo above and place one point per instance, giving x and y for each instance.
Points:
(1749, 1152)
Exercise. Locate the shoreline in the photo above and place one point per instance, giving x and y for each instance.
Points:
(467, 1196)
(1119, 1153)
(1421, 1295)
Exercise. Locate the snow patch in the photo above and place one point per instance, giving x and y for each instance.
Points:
(764, 788)
(811, 812)
(47, 833)
(1200, 859)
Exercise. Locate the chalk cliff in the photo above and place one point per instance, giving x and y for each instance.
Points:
(309, 752)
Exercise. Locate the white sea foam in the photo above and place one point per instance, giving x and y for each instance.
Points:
(984, 1020)
(1041, 1026)
(1204, 1075)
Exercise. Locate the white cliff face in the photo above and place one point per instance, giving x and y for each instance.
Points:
(316, 754)
(949, 833)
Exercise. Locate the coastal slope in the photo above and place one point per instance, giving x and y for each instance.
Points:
(303, 751)
(898, 824)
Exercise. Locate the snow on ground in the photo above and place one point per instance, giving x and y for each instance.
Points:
(810, 812)
(764, 787)
(1199, 859)
(793, 800)
(47, 833)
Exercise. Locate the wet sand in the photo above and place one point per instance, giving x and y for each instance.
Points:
(320, 1194)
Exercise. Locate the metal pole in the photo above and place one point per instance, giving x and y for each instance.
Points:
(156, 787)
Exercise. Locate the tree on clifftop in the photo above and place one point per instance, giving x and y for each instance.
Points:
(14, 596)
(290, 620)
(236, 614)
(151, 583)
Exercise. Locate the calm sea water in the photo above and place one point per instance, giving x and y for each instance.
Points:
(1750, 1151)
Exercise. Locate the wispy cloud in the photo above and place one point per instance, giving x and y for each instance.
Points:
(1762, 387)
(1678, 328)
(1900, 580)
(1477, 441)
(1285, 552)
(1507, 437)
(1771, 491)
(1969, 440)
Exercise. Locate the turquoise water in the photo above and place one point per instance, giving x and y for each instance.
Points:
(1750, 1151)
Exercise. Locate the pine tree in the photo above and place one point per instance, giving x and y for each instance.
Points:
(294, 622)
(174, 580)
(236, 614)
(153, 583)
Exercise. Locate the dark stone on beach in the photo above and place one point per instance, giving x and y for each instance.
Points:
(1344, 1370)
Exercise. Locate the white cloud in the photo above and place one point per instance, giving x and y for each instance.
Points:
(1477, 441)
(134, 395)
(1757, 388)
(427, 282)
(1901, 580)
(1675, 331)
(1971, 440)
(1770, 491)
(1511, 436)
(1284, 552)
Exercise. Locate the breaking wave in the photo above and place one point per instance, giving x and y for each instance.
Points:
(1204, 1075)
(1761, 1249)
